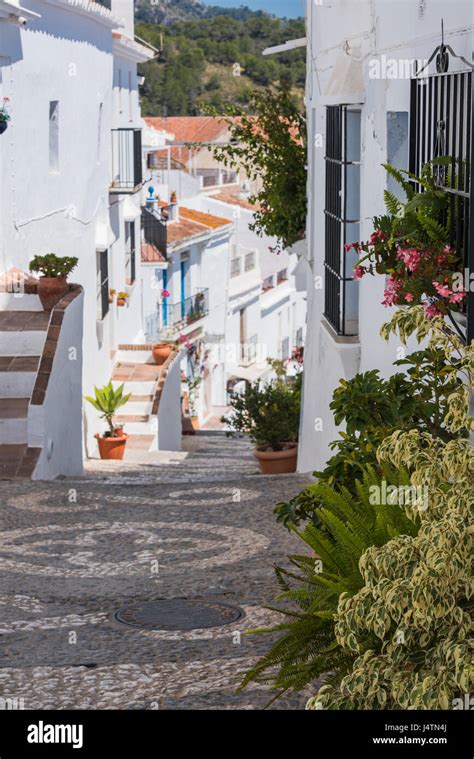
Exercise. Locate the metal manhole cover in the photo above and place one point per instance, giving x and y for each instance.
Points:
(178, 614)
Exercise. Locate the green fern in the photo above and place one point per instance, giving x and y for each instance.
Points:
(347, 525)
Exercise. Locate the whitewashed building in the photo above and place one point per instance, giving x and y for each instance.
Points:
(366, 106)
(72, 176)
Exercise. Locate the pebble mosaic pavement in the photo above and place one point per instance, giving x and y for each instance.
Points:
(73, 552)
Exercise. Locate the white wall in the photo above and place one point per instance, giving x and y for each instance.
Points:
(169, 409)
(56, 425)
(398, 30)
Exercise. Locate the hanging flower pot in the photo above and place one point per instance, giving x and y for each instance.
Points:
(3, 126)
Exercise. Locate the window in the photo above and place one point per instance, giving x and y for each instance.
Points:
(102, 284)
(130, 262)
(282, 276)
(342, 217)
(54, 136)
(441, 116)
(130, 97)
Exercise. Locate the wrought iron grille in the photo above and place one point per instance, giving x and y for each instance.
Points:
(154, 231)
(127, 173)
(342, 211)
(102, 284)
(441, 116)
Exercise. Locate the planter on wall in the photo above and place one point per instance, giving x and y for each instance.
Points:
(278, 462)
(112, 447)
(161, 352)
(3, 126)
(51, 290)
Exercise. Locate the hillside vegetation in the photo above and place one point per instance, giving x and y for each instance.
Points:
(218, 61)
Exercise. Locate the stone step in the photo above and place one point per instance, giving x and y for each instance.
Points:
(18, 375)
(14, 420)
(19, 302)
(17, 461)
(145, 388)
(23, 333)
(136, 408)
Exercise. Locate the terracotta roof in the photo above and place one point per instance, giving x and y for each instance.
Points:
(190, 128)
(151, 255)
(235, 200)
(191, 224)
(207, 219)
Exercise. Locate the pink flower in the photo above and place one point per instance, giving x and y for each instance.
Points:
(6, 100)
(348, 246)
(411, 258)
(409, 297)
(359, 272)
(442, 290)
(165, 293)
(457, 297)
(182, 338)
(431, 311)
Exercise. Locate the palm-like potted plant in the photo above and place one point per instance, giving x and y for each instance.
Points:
(108, 401)
(270, 416)
(53, 284)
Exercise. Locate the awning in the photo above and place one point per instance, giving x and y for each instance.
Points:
(104, 236)
(131, 211)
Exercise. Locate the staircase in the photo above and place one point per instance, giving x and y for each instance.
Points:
(23, 327)
(136, 369)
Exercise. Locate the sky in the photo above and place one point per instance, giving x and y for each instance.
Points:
(288, 8)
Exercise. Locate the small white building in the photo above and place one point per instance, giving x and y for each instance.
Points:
(367, 106)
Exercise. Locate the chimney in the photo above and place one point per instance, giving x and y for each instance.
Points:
(173, 211)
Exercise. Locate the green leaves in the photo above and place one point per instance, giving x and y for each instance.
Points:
(108, 401)
(51, 265)
(269, 415)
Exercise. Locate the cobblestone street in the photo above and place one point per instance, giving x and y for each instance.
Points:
(73, 553)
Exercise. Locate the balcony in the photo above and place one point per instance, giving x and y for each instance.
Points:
(154, 231)
(171, 318)
(127, 173)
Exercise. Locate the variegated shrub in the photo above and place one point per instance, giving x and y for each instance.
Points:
(417, 595)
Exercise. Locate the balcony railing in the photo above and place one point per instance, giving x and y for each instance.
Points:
(154, 231)
(105, 3)
(127, 173)
(171, 318)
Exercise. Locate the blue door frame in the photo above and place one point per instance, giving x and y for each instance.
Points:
(165, 300)
(183, 288)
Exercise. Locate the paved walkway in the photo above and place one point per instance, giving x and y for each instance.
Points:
(199, 525)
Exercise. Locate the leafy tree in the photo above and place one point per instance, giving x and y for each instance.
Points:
(271, 147)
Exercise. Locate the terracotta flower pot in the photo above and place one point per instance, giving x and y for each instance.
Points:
(195, 422)
(121, 302)
(51, 290)
(111, 447)
(161, 352)
(277, 462)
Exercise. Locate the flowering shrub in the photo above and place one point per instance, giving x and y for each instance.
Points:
(410, 246)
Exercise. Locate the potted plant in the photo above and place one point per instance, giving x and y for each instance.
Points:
(4, 115)
(270, 416)
(161, 352)
(108, 401)
(122, 298)
(52, 285)
(193, 386)
(112, 295)
(174, 197)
